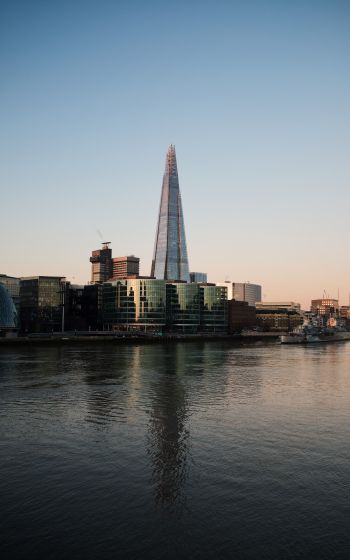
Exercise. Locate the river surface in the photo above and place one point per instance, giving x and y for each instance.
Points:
(180, 451)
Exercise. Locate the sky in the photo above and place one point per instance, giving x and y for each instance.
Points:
(255, 95)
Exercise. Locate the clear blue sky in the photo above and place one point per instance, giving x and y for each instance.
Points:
(254, 94)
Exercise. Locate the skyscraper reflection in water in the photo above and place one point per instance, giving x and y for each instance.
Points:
(177, 384)
(168, 433)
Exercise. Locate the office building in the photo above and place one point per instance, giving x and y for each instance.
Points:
(134, 304)
(91, 306)
(170, 261)
(213, 307)
(73, 319)
(147, 304)
(183, 305)
(245, 291)
(278, 316)
(41, 303)
(242, 291)
(125, 266)
(101, 264)
(199, 277)
(344, 312)
(325, 307)
(240, 316)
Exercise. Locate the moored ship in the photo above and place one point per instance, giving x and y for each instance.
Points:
(309, 334)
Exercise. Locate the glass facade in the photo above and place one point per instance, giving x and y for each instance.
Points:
(198, 277)
(170, 261)
(213, 308)
(8, 314)
(41, 304)
(91, 306)
(246, 292)
(134, 304)
(183, 307)
(12, 284)
(154, 305)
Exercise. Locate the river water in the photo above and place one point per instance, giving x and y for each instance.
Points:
(185, 450)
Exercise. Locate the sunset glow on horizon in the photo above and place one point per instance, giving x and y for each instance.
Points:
(254, 97)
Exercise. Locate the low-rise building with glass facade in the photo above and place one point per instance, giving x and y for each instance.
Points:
(183, 306)
(134, 304)
(213, 308)
(91, 306)
(41, 303)
(152, 305)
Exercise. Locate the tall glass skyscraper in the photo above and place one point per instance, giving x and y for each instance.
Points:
(170, 261)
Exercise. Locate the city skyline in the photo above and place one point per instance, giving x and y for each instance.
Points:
(257, 105)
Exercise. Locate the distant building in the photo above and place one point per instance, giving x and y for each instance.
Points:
(344, 312)
(251, 293)
(240, 316)
(290, 306)
(324, 307)
(41, 299)
(8, 313)
(125, 266)
(228, 285)
(102, 264)
(198, 277)
(278, 316)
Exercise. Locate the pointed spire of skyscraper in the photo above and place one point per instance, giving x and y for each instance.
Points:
(170, 261)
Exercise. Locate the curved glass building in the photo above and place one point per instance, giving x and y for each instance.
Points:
(8, 314)
(134, 304)
(170, 261)
(183, 307)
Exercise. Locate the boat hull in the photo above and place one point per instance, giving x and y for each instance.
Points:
(315, 339)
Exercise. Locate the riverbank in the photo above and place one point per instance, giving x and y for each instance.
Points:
(128, 338)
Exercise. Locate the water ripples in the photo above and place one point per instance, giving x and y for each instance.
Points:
(198, 450)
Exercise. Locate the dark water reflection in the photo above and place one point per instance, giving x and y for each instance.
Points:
(200, 450)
